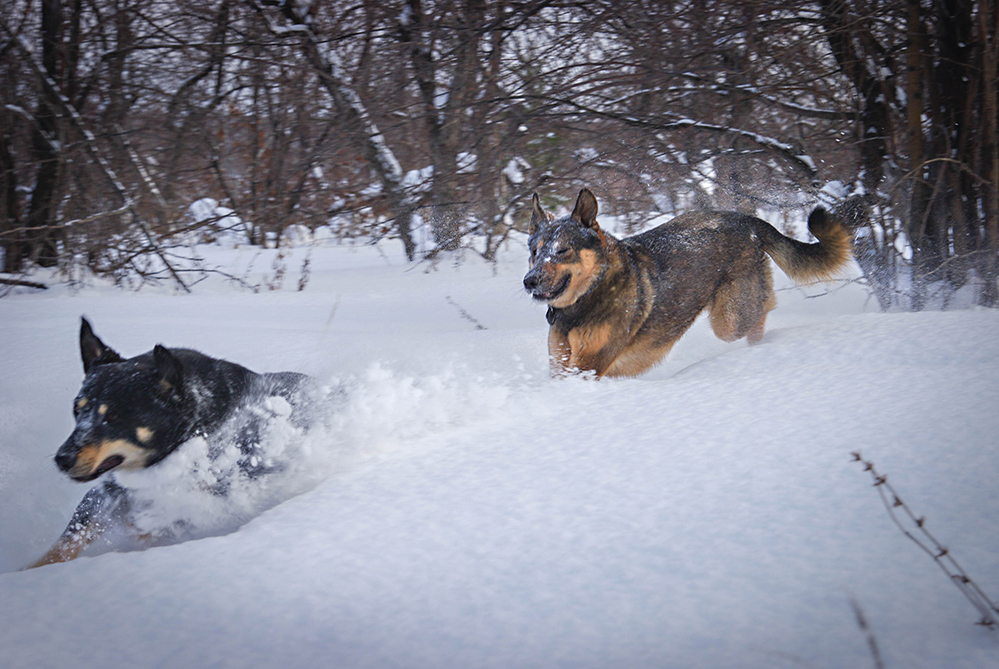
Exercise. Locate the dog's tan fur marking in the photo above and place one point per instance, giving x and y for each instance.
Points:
(821, 262)
(82, 402)
(91, 456)
(637, 358)
(583, 273)
(724, 318)
(102, 409)
(587, 344)
(143, 434)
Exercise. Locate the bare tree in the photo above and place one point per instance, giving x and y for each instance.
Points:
(928, 156)
(432, 121)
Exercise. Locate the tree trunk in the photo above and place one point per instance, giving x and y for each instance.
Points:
(445, 121)
(846, 39)
(11, 239)
(41, 238)
(916, 68)
(366, 134)
(988, 32)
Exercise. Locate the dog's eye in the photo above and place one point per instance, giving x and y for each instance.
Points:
(563, 252)
(106, 414)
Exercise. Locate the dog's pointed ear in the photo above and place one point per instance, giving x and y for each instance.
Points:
(585, 211)
(170, 369)
(538, 216)
(93, 351)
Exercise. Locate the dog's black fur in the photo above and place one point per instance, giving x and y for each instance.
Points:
(131, 414)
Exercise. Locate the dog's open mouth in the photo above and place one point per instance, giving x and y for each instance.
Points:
(554, 292)
(109, 463)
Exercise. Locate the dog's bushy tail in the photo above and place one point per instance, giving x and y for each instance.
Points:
(804, 262)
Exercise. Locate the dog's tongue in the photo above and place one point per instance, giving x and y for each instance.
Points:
(109, 464)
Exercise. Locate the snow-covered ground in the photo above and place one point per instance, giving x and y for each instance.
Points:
(464, 510)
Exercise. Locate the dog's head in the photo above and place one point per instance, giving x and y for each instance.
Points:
(568, 254)
(129, 413)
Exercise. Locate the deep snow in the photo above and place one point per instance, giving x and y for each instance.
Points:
(463, 510)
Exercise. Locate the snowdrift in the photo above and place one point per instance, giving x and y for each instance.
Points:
(467, 511)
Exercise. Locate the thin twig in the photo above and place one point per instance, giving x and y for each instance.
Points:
(10, 232)
(872, 643)
(928, 543)
(464, 314)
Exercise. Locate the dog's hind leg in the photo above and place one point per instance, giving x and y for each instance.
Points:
(769, 303)
(725, 312)
(740, 306)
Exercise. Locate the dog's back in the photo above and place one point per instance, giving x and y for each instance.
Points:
(717, 260)
(725, 241)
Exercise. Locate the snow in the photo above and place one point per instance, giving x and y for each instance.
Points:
(467, 162)
(834, 191)
(515, 169)
(461, 509)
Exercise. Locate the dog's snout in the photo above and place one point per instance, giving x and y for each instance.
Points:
(65, 460)
(530, 282)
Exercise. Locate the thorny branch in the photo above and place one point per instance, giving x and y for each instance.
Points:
(904, 519)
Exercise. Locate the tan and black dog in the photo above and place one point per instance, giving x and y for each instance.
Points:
(617, 306)
(132, 413)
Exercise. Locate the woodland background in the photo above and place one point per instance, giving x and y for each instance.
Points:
(432, 122)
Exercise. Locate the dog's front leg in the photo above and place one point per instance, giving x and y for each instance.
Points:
(559, 353)
(594, 348)
(70, 544)
(100, 507)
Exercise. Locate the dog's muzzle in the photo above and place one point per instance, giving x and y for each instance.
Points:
(534, 284)
(65, 460)
(88, 462)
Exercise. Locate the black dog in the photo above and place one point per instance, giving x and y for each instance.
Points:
(131, 414)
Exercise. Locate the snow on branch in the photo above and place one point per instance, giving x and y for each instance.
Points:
(335, 78)
(756, 92)
(800, 160)
(803, 161)
(21, 283)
